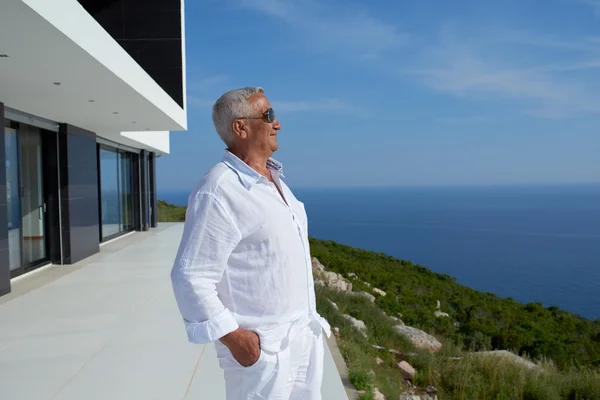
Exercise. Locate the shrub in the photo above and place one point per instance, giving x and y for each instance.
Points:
(478, 341)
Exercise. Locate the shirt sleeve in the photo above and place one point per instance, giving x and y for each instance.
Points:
(209, 238)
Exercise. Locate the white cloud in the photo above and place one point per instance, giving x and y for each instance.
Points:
(204, 89)
(329, 29)
(331, 106)
(595, 4)
(588, 44)
(200, 103)
(463, 119)
(542, 75)
(323, 106)
(208, 83)
(465, 70)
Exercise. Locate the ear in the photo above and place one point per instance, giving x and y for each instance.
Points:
(240, 129)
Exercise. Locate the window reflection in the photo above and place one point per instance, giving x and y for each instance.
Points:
(109, 185)
(13, 197)
(126, 195)
(116, 201)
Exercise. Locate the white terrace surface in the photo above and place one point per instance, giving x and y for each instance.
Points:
(109, 328)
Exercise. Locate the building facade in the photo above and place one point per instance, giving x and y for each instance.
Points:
(89, 93)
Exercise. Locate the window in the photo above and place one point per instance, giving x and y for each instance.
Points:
(116, 194)
(126, 193)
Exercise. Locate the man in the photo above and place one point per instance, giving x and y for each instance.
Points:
(242, 276)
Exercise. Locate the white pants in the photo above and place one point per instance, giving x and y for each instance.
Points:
(295, 373)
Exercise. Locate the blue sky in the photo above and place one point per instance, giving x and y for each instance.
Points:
(417, 92)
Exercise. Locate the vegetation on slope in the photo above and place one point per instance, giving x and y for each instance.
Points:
(169, 212)
(485, 321)
(455, 373)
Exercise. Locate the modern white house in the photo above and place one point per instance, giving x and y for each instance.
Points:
(89, 92)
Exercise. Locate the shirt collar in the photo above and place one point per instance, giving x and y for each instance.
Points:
(247, 175)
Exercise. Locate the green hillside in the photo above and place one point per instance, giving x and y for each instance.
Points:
(454, 372)
(170, 213)
(486, 320)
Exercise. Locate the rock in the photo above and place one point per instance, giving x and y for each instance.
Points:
(333, 305)
(377, 395)
(407, 370)
(457, 324)
(317, 267)
(336, 282)
(379, 361)
(399, 353)
(420, 339)
(369, 296)
(319, 282)
(367, 283)
(397, 320)
(378, 347)
(507, 355)
(438, 311)
(356, 324)
(372, 374)
(336, 332)
(409, 396)
(361, 392)
(431, 390)
(429, 397)
(378, 291)
(352, 275)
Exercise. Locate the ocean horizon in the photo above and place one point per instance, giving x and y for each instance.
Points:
(532, 243)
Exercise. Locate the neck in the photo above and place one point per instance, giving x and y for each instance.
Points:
(254, 160)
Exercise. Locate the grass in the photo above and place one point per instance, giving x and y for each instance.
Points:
(471, 377)
(477, 377)
(170, 213)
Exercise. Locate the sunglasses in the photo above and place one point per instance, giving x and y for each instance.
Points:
(267, 116)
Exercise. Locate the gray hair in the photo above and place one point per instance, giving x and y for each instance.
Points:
(230, 106)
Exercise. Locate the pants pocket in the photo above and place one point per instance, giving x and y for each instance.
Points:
(259, 378)
(228, 361)
(257, 364)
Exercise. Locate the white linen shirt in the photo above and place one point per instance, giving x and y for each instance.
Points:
(244, 258)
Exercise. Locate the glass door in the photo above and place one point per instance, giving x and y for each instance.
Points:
(125, 183)
(13, 197)
(109, 193)
(32, 200)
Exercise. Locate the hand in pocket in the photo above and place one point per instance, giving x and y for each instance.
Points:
(244, 346)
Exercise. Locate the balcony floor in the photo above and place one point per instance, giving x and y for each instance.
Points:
(108, 328)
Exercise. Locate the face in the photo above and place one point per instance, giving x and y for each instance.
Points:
(257, 134)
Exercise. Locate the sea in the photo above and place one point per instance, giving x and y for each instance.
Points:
(533, 243)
